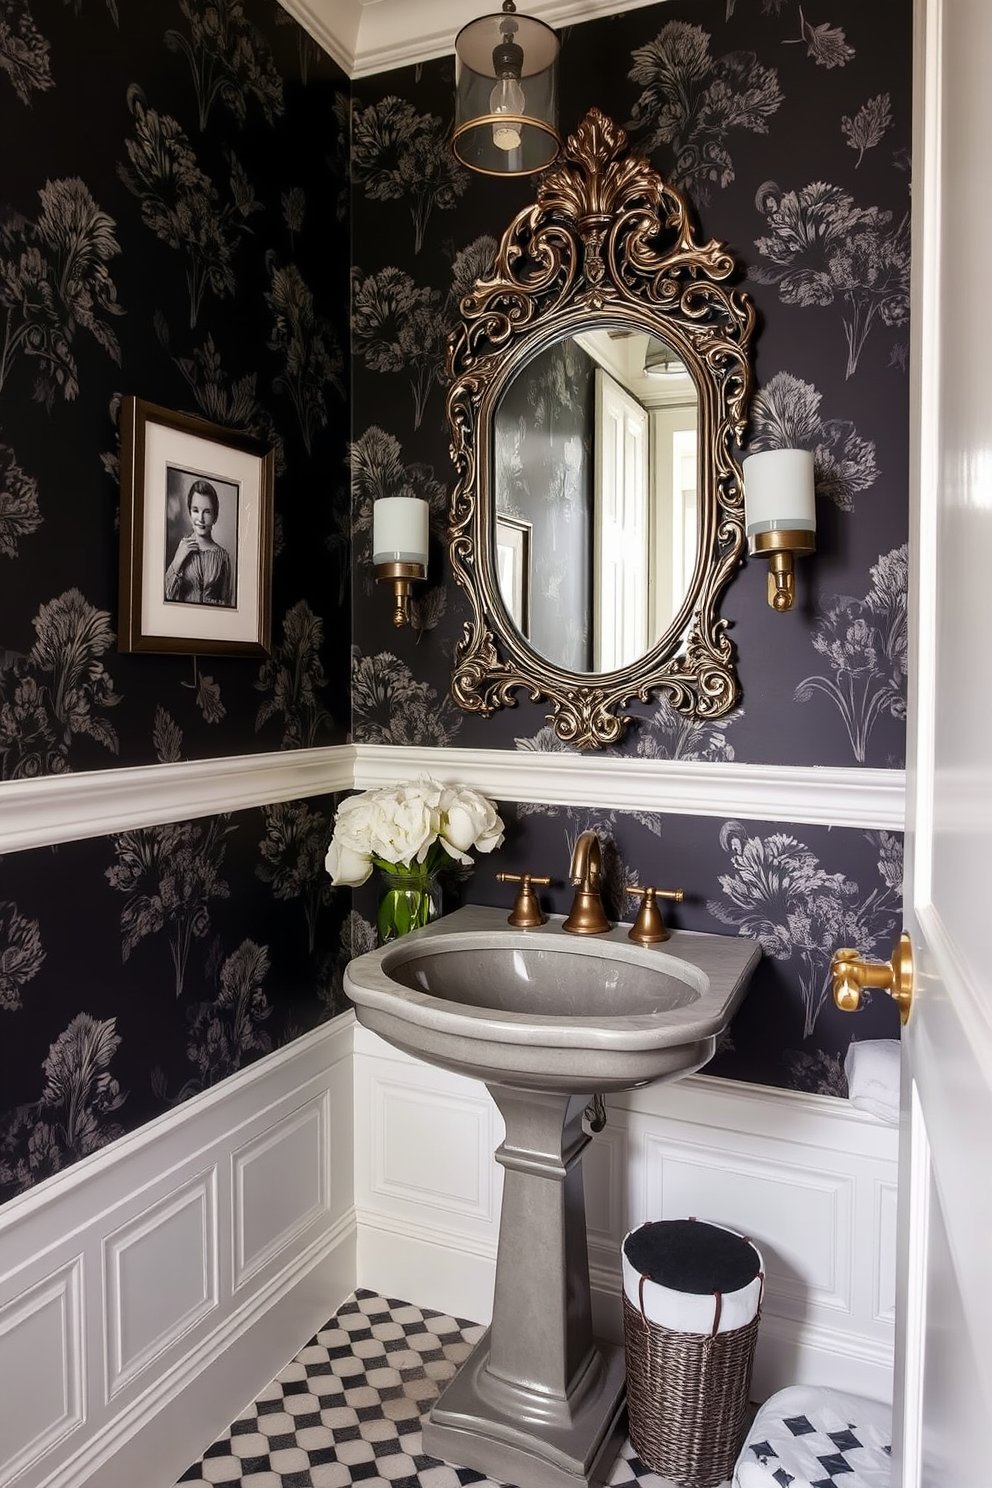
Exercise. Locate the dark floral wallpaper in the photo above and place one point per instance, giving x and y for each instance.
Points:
(173, 224)
(180, 218)
(791, 136)
(790, 130)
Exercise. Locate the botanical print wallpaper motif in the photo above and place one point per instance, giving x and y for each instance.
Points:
(799, 892)
(791, 137)
(171, 249)
(188, 245)
(193, 245)
(225, 949)
(790, 133)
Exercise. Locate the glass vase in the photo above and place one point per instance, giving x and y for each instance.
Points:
(409, 898)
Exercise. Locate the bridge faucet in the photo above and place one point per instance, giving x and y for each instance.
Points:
(587, 915)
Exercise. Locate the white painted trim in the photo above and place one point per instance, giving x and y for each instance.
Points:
(369, 36)
(96, 803)
(820, 795)
(701, 1142)
(330, 1042)
(143, 1415)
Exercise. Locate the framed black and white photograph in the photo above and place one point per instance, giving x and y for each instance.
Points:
(196, 535)
(513, 569)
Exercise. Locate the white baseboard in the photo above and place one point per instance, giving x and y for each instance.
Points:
(151, 1291)
(809, 1179)
(432, 1270)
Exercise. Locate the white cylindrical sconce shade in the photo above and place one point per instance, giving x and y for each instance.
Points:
(779, 492)
(506, 95)
(400, 527)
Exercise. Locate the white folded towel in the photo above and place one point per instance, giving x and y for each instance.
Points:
(872, 1067)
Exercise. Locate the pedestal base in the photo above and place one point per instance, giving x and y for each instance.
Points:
(516, 1435)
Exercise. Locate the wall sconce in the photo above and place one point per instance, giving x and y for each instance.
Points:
(780, 515)
(400, 526)
(506, 94)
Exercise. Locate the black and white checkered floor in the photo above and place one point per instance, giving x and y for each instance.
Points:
(348, 1409)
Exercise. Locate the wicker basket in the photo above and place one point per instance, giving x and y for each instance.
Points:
(687, 1394)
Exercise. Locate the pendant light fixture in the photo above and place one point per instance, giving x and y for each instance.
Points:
(661, 361)
(506, 94)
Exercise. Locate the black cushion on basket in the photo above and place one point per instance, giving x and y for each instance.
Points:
(689, 1255)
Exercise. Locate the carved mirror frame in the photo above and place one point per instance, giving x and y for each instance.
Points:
(608, 243)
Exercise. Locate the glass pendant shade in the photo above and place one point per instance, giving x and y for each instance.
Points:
(506, 94)
(661, 361)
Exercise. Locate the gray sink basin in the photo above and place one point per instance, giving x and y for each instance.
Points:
(544, 1010)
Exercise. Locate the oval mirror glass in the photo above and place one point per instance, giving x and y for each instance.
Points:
(595, 473)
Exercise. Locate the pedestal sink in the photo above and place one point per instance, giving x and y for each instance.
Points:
(546, 1020)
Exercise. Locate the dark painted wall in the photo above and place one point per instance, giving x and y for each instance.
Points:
(791, 137)
(173, 224)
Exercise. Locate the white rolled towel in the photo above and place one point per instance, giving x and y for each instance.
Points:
(696, 1311)
(872, 1067)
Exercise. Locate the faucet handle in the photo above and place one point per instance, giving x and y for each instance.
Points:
(526, 911)
(649, 928)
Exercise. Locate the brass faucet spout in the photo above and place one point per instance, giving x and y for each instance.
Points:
(587, 915)
(587, 860)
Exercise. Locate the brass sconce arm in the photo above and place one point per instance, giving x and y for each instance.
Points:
(400, 533)
(401, 576)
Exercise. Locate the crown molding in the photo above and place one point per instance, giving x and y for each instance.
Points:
(370, 36)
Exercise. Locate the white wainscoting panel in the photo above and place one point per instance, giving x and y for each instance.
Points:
(280, 1186)
(151, 1290)
(160, 1277)
(818, 795)
(427, 1191)
(811, 1180)
(41, 1366)
(411, 1124)
(806, 1254)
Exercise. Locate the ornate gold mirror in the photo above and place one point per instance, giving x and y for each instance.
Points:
(599, 387)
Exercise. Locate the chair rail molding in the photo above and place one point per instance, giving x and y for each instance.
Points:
(813, 795)
(97, 803)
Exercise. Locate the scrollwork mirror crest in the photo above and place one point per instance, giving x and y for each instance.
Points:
(607, 244)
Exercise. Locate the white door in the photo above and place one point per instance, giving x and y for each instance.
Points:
(943, 1385)
(620, 528)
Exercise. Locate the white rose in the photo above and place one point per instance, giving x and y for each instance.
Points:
(345, 865)
(469, 820)
(404, 824)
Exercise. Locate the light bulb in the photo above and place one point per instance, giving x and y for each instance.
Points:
(507, 98)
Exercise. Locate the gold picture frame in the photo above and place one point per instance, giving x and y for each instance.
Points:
(196, 535)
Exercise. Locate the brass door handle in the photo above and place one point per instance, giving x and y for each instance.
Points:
(852, 974)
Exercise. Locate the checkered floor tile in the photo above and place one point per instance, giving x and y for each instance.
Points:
(348, 1409)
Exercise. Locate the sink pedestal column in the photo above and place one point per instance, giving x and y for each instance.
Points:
(539, 1402)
